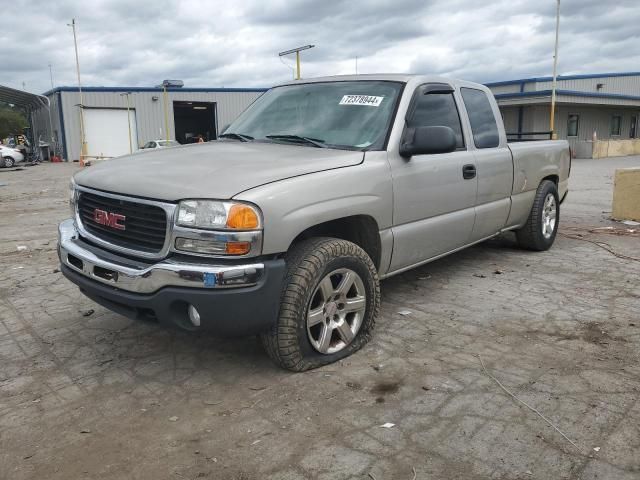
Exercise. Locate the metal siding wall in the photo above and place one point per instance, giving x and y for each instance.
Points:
(510, 118)
(72, 123)
(620, 85)
(596, 119)
(539, 119)
(41, 122)
(505, 89)
(149, 113)
(597, 101)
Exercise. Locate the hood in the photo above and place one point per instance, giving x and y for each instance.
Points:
(217, 170)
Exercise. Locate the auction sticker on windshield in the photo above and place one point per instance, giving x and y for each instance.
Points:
(361, 100)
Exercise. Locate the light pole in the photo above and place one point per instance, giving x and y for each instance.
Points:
(297, 52)
(83, 145)
(128, 118)
(554, 82)
(51, 76)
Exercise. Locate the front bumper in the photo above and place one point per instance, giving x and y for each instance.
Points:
(231, 298)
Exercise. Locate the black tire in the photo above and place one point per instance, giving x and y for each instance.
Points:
(8, 162)
(309, 262)
(531, 235)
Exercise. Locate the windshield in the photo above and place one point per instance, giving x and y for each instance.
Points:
(349, 114)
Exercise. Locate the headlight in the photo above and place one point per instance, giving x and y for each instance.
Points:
(211, 214)
(72, 197)
(237, 228)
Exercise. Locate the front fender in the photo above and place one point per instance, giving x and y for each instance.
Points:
(291, 206)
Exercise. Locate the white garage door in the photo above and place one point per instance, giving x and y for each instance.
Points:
(107, 132)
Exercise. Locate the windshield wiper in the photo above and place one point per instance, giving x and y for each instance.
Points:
(238, 136)
(316, 142)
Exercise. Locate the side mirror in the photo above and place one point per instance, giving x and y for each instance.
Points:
(426, 140)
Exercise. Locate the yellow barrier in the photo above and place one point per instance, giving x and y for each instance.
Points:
(626, 194)
(616, 148)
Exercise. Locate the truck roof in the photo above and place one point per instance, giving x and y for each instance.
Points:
(389, 77)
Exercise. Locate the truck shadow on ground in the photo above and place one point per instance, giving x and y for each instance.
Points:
(153, 351)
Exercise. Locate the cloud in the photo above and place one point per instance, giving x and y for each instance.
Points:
(215, 43)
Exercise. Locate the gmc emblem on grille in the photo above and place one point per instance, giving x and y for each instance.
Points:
(109, 219)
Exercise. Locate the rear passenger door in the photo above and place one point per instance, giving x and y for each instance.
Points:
(493, 160)
(433, 208)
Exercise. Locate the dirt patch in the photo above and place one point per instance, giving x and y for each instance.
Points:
(593, 333)
(558, 335)
(388, 387)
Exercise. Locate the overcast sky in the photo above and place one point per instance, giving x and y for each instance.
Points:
(235, 43)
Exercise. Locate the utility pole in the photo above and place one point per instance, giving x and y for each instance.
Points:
(128, 119)
(553, 84)
(82, 139)
(168, 84)
(165, 101)
(297, 52)
(51, 76)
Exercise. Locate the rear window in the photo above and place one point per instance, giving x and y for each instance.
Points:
(481, 117)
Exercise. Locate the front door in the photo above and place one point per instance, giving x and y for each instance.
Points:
(433, 208)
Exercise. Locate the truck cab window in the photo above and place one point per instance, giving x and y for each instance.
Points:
(481, 117)
(437, 109)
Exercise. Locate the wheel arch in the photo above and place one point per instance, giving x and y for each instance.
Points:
(362, 230)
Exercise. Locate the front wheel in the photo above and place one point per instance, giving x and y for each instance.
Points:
(329, 304)
(8, 162)
(542, 225)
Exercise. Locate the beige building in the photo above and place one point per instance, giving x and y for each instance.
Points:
(603, 106)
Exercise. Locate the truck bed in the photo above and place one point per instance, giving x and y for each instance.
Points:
(534, 161)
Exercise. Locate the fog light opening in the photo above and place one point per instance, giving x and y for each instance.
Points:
(194, 316)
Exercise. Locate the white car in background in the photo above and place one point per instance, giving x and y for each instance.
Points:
(10, 156)
(155, 144)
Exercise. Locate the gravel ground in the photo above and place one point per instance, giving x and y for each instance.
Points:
(85, 393)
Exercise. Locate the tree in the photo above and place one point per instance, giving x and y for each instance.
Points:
(11, 120)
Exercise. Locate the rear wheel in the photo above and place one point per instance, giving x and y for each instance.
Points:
(541, 228)
(8, 162)
(329, 304)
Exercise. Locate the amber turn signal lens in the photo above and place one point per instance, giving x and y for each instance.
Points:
(242, 217)
(237, 248)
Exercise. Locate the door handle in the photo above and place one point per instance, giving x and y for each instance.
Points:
(468, 171)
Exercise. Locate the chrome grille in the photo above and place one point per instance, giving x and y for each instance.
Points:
(145, 225)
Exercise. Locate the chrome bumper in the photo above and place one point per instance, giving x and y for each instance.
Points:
(122, 273)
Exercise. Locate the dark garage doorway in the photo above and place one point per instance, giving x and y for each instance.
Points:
(193, 119)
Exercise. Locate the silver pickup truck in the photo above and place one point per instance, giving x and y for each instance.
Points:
(285, 225)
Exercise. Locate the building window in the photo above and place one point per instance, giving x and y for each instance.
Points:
(616, 125)
(633, 129)
(572, 125)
